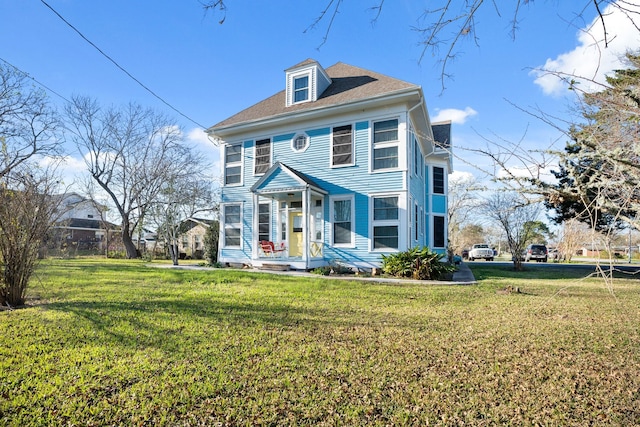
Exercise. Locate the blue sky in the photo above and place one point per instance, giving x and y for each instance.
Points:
(209, 71)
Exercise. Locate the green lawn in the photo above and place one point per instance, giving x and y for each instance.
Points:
(117, 343)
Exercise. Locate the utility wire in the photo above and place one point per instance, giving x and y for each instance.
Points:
(121, 68)
(33, 78)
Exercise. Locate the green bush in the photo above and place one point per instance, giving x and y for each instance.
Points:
(417, 263)
(211, 244)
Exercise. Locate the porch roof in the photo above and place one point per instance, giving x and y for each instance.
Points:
(281, 178)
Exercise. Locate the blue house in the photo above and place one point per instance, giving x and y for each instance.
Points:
(344, 165)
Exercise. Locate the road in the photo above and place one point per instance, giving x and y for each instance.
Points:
(589, 265)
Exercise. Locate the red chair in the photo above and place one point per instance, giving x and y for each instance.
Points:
(269, 248)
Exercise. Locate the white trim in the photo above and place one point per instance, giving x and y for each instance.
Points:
(332, 200)
(223, 225)
(306, 145)
(268, 203)
(353, 146)
(291, 78)
(239, 163)
(400, 222)
(401, 153)
(255, 154)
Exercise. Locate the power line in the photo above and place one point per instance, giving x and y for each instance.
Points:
(121, 68)
(33, 78)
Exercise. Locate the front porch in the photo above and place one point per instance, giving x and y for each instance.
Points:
(288, 221)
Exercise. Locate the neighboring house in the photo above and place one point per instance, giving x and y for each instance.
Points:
(596, 251)
(79, 223)
(147, 240)
(343, 165)
(191, 238)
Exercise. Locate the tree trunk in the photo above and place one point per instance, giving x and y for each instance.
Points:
(127, 241)
(173, 251)
(517, 264)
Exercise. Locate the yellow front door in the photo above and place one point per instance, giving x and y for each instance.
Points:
(295, 234)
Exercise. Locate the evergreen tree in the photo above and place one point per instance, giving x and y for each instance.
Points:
(599, 171)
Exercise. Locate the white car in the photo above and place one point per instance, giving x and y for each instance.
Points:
(481, 251)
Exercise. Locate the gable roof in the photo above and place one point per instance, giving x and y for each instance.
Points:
(349, 84)
(272, 181)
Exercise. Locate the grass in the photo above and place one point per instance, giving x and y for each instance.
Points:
(117, 343)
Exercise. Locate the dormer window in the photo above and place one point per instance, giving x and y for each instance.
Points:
(301, 89)
(306, 82)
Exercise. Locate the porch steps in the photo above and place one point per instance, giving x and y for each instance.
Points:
(275, 267)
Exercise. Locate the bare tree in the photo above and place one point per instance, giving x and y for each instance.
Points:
(28, 130)
(130, 152)
(28, 125)
(462, 200)
(573, 235)
(181, 199)
(512, 212)
(27, 209)
(444, 24)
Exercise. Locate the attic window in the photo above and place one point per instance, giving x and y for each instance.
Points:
(300, 142)
(300, 89)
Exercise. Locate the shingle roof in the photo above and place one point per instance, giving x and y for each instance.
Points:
(442, 134)
(349, 84)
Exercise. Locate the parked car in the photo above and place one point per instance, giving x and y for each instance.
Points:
(536, 252)
(555, 255)
(481, 251)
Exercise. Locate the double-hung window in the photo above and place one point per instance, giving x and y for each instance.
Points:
(438, 180)
(264, 221)
(300, 89)
(438, 232)
(385, 222)
(342, 146)
(262, 161)
(385, 144)
(232, 225)
(233, 164)
(342, 221)
(418, 162)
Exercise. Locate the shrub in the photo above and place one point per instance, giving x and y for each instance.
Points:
(211, 244)
(323, 271)
(417, 263)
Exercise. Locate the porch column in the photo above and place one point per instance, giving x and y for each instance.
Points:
(254, 226)
(306, 203)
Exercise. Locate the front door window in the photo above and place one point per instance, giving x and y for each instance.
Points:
(295, 234)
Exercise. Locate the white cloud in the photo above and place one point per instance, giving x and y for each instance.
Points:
(199, 136)
(203, 144)
(456, 116)
(590, 59)
(460, 176)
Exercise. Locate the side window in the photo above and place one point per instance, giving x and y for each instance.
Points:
(385, 144)
(232, 225)
(438, 180)
(264, 221)
(342, 146)
(342, 221)
(262, 161)
(233, 164)
(438, 232)
(385, 222)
